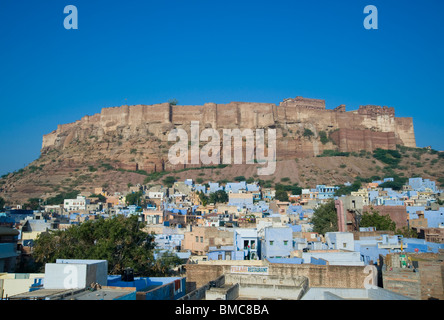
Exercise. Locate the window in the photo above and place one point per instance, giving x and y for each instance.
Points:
(197, 239)
(271, 243)
(201, 239)
(285, 242)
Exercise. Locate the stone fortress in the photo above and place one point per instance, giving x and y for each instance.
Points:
(117, 130)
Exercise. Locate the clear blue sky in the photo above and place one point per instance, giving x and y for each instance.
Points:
(197, 51)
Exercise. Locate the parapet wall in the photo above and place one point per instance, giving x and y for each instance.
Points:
(305, 103)
(318, 275)
(374, 111)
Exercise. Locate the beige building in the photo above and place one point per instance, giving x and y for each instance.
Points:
(16, 283)
(225, 208)
(240, 198)
(153, 216)
(363, 193)
(199, 239)
(419, 223)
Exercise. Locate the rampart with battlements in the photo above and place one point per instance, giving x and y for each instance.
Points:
(146, 128)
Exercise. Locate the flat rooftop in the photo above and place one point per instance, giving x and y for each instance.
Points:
(100, 294)
(44, 294)
(104, 293)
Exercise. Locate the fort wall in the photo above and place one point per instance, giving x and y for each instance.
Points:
(367, 128)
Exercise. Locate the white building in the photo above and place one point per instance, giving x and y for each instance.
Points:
(156, 195)
(340, 240)
(78, 204)
(75, 274)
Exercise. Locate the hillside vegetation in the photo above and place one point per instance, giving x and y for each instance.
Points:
(53, 176)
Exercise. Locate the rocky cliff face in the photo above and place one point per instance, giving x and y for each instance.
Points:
(136, 137)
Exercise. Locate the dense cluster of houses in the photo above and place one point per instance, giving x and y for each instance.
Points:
(249, 223)
(252, 224)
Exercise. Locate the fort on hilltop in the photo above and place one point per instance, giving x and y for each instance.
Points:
(117, 129)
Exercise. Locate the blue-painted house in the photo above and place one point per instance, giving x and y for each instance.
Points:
(435, 218)
(325, 192)
(246, 244)
(221, 253)
(235, 187)
(277, 242)
(419, 184)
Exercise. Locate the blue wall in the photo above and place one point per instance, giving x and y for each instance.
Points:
(294, 260)
(129, 296)
(434, 218)
(316, 261)
(422, 245)
(279, 236)
(167, 291)
(157, 288)
(214, 255)
(370, 252)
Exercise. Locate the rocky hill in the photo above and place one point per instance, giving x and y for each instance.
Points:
(136, 137)
(129, 145)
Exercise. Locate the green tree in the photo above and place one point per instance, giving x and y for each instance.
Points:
(203, 198)
(101, 197)
(325, 218)
(164, 264)
(173, 102)
(374, 219)
(308, 133)
(169, 181)
(294, 189)
(344, 190)
(281, 195)
(397, 183)
(199, 180)
(407, 232)
(390, 157)
(250, 180)
(32, 204)
(2, 203)
(219, 196)
(58, 199)
(265, 183)
(119, 240)
(323, 136)
(134, 198)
